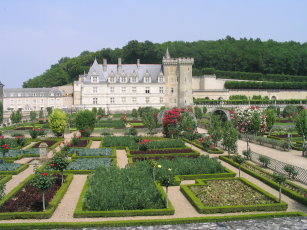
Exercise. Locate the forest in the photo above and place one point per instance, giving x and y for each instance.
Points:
(229, 54)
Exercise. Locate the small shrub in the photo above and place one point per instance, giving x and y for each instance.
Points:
(265, 161)
(21, 140)
(133, 132)
(34, 133)
(292, 173)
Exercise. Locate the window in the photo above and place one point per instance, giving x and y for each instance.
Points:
(160, 79)
(95, 79)
(133, 89)
(147, 90)
(123, 89)
(123, 100)
(112, 101)
(161, 89)
(147, 79)
(112, 79)
(95, 89)
(112, 89)
(134, 100)
(172, 90)
(133, 79)
(95, 100)
(161, 99)
(147, 100)
(123, 79)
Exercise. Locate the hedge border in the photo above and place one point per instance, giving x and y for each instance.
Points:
(17, 171)
(299, 198)
(201, 208)
(35, 215)
(126, 223)
(79, 213)
(219, 151)
(192, 153)
(5, 179)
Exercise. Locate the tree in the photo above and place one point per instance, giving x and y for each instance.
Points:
(42, 181)
(265, 161)
(85, 122)
(41, 114)
(16, 116)
(49, 110)
(289, 111)
(240, 160)
(215, 129)
(134, 113)
(149, 119)
(33, 116)
(230, 138)
(166, 179)
(58, 122)
(1, 112)
(301, 127)
(198, 112)
(205, 110)
(101, 113)
(279, 178)
(291, 171)
(59, 162)
(270, 118)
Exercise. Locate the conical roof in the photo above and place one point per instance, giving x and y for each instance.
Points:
(167, 55)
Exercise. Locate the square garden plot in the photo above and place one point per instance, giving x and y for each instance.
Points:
(101, 152)
(230, 195)
(12, 168)
(25, 201)
(15, 154)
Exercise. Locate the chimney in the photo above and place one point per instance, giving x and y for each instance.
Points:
(119, 65)
(138, 63)
(104, 64)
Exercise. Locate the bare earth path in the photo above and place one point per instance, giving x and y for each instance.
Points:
(95, 144)
(122, 159)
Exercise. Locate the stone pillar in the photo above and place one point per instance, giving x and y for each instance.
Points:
(43, 152)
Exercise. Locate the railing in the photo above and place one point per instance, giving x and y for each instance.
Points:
(278, 166)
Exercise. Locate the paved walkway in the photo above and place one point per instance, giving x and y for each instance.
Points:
(95, 144)
(122, 159)
(292, 157)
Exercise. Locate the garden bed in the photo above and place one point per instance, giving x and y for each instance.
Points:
(82, 144)
(198, 145)
(162, 151)
(16, 154)
(289, 188)
(48, 142)
(5, 178)
(25, 201)
(23, 128)
(12, 168)
(230, 195)
(101, 152)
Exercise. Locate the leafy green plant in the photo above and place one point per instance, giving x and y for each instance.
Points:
(58, 122)
(85, 122)
(89, 164)
(133, 132)
(2, 189)
(42, 181)
(264, 160)
(60, 163)
(240, 160)
(292, 173)
(34, 133)
(247, 154)
(93, 152)
(280, 179)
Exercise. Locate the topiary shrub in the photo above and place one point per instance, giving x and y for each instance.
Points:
(265, 161)
(85, 122)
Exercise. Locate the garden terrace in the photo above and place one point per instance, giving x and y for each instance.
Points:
(217, 195)
(25, 201)
(289, 188)
(133, 193)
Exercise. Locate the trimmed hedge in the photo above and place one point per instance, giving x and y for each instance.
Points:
(35, 215)
(20, 169)
(294, 195)
(218, 151)
(5, 179)
(203, 101)
(198, 205)
(80, 213)
(125, 223)
(264, 85)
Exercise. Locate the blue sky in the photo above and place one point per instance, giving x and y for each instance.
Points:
(35, 34)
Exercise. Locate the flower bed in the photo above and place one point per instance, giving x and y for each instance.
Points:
(88, 164)
(82, 144)
(126, 141)
(230, 195)
(108, 152)
(134, 193)
(197, 144)
(12, 168)
(144, 158)
(162, 151)
(25, 202)
(289, 188)
(17, 154)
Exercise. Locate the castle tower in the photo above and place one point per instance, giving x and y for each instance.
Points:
(1, 91)
(178, 80)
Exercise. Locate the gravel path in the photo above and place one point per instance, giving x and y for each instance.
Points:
(95, 144)
(122, 159)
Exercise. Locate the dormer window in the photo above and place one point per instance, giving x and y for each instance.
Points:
(133, 79)
(123, 78)
(160, 78)
(112, 77)
(147, 78)
(94, 79)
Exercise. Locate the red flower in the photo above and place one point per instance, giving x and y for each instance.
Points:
(45, 174)
(89, 128)
(52, 165)
(82, 131)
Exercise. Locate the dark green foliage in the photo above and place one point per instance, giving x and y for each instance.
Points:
(224, 54)
(1, 112)
(100, 113)
(33, 115)
(290, 111)
(205, 110)
(198, 112)
(238, 97)
(264, 85)
(292, 173)
(110, 124)
(270, 118)
(111, 188)
(16, 116)
(301, 123)
(133, 132)
(85, 120)
(134, 113)
(42, 181)
(49, 110)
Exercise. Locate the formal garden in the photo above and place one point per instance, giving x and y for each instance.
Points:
(61, 168)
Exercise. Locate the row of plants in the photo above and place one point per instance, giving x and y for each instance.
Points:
(217, 196)
(198, 144)
(265, 85)
(7, 168)
(79, 152)
(204, 101)
(110, 124)
(287, 187)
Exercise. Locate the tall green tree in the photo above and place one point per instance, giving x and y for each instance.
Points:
(1, 112)
(301, 127)
(58, 122)
(85, 121)
(270, 118)
(33, 116)
(230, 138)
(16, 116)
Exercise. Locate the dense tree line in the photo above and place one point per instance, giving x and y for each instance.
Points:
(244, 55)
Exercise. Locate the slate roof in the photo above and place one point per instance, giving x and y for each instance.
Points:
(128, 69)
(32, 92)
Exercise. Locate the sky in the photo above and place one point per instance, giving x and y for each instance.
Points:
(34, 34)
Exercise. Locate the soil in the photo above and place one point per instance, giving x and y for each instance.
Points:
(82, 143)
(49, 143)
(23, 128)
(30, 199)
(162, 151)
